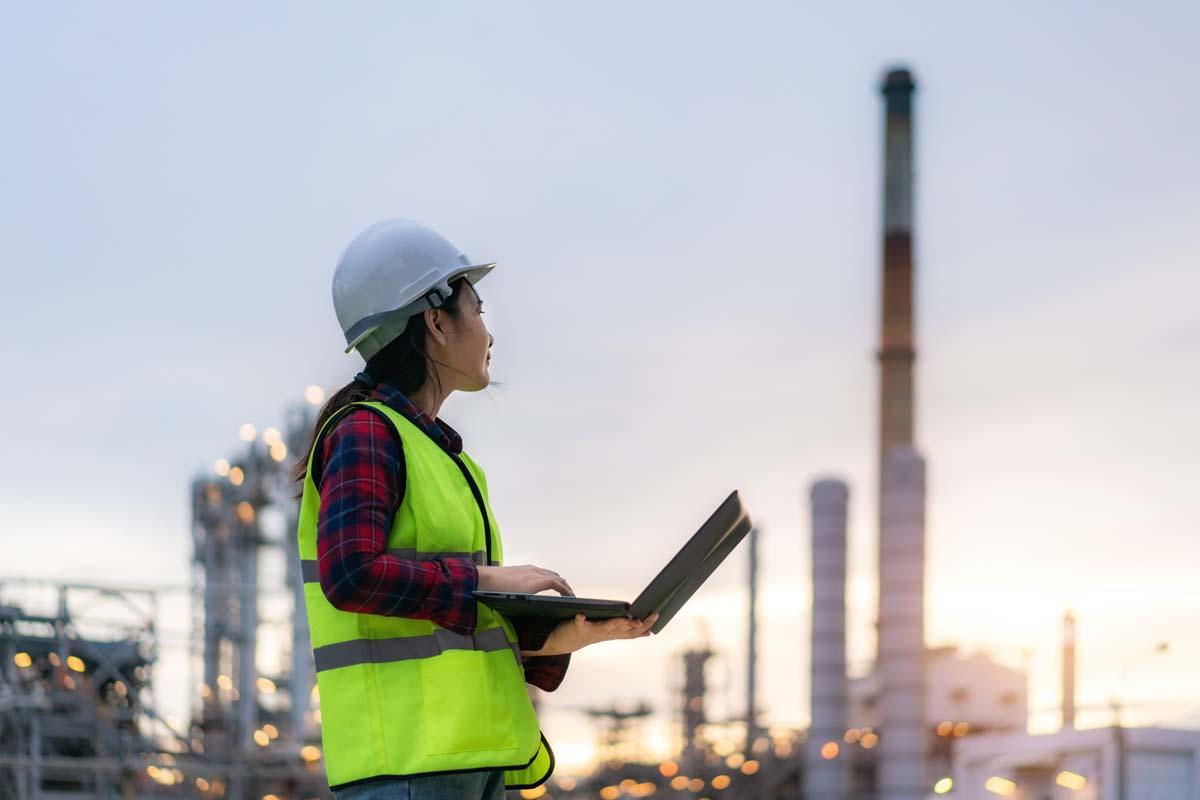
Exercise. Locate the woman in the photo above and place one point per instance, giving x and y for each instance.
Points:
(422, 688)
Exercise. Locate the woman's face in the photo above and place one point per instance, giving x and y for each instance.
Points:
(463, 345)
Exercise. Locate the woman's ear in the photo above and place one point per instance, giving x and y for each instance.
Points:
(433, 324)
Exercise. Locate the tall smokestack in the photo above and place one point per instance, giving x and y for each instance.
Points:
(896, 345)
(1068, 671)
(825, 776)
(901, 656)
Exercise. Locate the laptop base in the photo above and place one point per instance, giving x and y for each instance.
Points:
(551, 606)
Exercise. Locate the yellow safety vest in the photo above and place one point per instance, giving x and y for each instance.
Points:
(402, 696)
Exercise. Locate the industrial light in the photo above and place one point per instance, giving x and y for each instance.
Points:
(75, 663)
(315, 395)
(852, 735)
(668, 768)
(961, 729)
(535, 792)
(245, 513)
(166, 777)
(272, 435)
(695, 784)
(945, 727)
(679, 782)
(261, 738)
(225, 682)
(829, 750)
(22, 660)
(750, 767)
(221, 467)
(266, 685)
(869, 740)
(271, 730)
(310, 753)
(943, 786)
(1070, 780)
(236, 476)
(735, 760)
(247, 433)
(278, 451)
(566, 784)
(720, 781)
(610, 793)
(270, 797)
(1001, 786)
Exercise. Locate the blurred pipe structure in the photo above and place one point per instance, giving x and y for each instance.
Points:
(752, 729)
(901, 657)
(825, 775)
(1068, 671)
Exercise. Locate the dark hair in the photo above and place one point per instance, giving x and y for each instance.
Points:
(402, 363)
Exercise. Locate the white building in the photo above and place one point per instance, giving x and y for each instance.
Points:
(1157, 764)
(970, 688)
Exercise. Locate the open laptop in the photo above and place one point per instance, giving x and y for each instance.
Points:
(666, 594)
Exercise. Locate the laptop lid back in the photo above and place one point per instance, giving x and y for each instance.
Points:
(695, 561)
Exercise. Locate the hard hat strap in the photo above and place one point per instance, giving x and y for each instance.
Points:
(440, 300)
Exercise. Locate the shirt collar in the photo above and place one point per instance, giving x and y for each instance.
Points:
(446, 437)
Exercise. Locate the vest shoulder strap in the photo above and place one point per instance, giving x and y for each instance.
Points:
(316, 467)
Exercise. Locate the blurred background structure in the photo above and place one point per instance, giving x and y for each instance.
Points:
(916, 711)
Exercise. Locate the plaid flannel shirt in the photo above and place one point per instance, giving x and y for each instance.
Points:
(361, 476)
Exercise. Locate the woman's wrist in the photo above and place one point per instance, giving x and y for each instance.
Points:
(556, 643)
(483, 579)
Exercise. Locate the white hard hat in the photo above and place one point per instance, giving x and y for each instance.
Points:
(392, 270)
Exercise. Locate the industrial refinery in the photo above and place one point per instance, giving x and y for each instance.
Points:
(80, 715)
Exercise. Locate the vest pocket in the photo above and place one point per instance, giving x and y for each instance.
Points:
(466, 704)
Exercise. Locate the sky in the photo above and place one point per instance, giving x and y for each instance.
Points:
(684, 201)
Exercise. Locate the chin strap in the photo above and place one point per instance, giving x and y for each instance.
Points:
(365, 379)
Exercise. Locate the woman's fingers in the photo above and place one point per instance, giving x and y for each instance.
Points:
(625, 628)
(555, 581)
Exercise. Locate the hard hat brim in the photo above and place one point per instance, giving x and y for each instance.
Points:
(473, 273)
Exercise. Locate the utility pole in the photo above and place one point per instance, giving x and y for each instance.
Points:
(1118, 728)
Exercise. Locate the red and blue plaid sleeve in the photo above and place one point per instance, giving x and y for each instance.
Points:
(362, 485)
(544, 672)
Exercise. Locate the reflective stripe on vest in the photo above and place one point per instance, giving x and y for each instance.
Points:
(381, 651)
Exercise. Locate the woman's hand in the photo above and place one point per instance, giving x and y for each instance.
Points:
(574, 634)
(526, 579)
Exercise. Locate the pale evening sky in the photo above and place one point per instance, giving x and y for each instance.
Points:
(684, 202)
